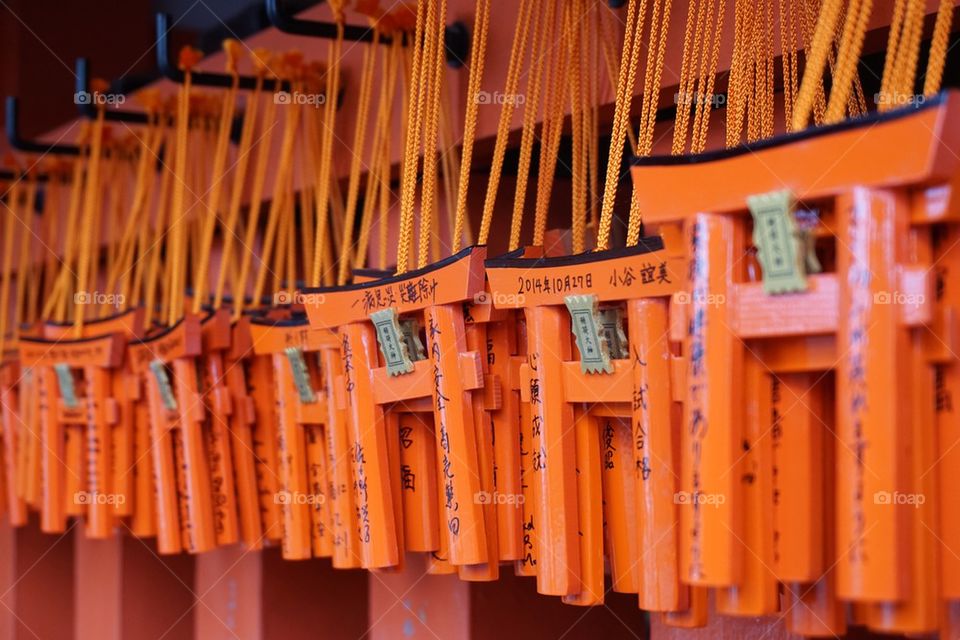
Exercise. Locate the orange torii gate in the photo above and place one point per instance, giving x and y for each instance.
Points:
(123, 394)
(612, 380)
(874, 323)
(311, 441)
(385, 315)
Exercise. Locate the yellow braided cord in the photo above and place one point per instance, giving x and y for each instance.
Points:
(621, 118)
(378, 148)
(325, 161)
(815, 62)
(907, 73)
(578, 230)
(236, 194)
(608, 42)
(436, 22)
(408, 185)
(552, 128)
(478, 53)
(706, 79)
(359, 140)
(263, 143)
(281, 193)
(938, 49)
(91, 188)
(659, 25)
(531, 109)
(201, 277)
(506, 115)
(851, 44)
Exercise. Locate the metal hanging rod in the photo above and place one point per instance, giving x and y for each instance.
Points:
(31, 146)
(456, 37)
(170, 70)
(85, 99)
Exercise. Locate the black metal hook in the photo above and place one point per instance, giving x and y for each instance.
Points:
(31, 146)
(201, 78)
(456, 37)
(8, 175)
(85, 99)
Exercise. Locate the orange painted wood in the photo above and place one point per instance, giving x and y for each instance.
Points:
(710, 513)
(621, 517)
(527, 564)
(947, 407)
(165, 470)
(260, 383)
(589, 515)
(798, 430)
(219, 407)
(925, 140)
(371, 467)
(553, 453)
(922, 609)
(10, 421)
(503, 363)
(488, 494)
(200, 529)
(871, 421)
(418, 480)
(456, 436)
(344, 521)
(656, 453)
(292, 458)
(757, 592)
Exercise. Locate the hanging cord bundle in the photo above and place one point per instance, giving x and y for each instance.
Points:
(216, 189)
(544, 32)
(432, 76)
(551, 132)
(176, 243)
(845, 80)
(701, 44)
(938, 49)
(412, 132)
(240, 170)
(127, 268)
(632, 44)
(151, 284)
(325, 161)
(478, 48)
(378, 193)
(262, 62)
(87, 255)
(517, 52)
(278, 213)
(368, 69)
